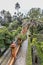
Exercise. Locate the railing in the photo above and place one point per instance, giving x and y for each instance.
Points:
(14, 52)
(10, 55)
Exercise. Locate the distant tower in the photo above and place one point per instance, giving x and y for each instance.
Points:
(17, 7)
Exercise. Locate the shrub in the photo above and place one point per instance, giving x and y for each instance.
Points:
(19, 29)
(23, 37)
(41, 46)
(16, 32)
(5, 37)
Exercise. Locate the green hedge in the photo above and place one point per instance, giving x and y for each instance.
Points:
(23, 37)
(39, 47)
(28, 56)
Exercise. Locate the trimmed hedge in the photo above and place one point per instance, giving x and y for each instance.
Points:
(29, 56)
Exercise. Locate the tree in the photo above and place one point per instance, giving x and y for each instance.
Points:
(14, 25)
(8, 16)
(42, 12)
(14, 16)
(41, 18)
(2, 12)
(34, 13)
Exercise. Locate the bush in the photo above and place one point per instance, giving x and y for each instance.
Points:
(19, 29)
(14, 25)
(5, 37)
(16, 32)
(41, 46)
(6, 24)
(2, 43)
(23, 37)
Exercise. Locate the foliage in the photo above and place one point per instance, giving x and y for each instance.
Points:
(28, 56)
(34, 41)
(35, 12)
(15, 24)
(5, 18)
(16, 32)
(31, 29)
(36, 28)
(23, 37)
(40, 52)
(5, 35)
(2, 43)
(6, 24)
(40, 27)
(39, 47)
(19, 29)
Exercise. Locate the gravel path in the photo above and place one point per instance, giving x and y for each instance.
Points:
(21, 58)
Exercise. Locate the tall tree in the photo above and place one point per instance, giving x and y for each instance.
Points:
(34, 12)
(8, 15)
(3, 12)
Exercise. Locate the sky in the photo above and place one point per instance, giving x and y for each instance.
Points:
(25, 5)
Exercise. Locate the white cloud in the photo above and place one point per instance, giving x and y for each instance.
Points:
(25, 4)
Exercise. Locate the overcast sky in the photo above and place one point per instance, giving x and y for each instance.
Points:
(25, 5)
